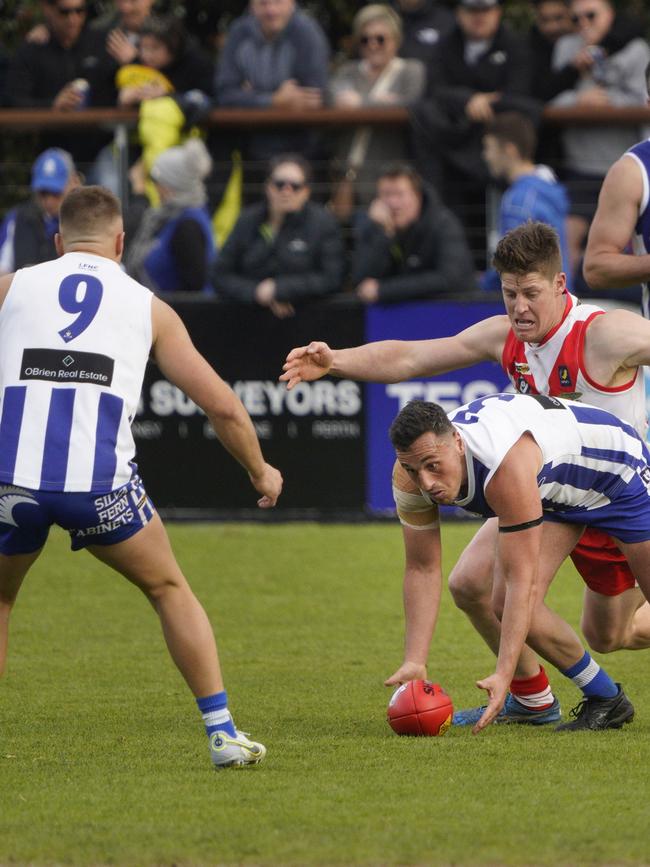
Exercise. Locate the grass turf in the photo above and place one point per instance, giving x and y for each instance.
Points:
(103, 759)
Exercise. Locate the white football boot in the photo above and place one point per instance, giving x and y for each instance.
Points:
(228, 751)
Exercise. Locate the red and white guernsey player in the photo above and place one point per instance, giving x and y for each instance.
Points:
(548, 343)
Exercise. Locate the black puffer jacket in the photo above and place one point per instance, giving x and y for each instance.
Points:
(505, 68)
(430, 257)
(305, 258)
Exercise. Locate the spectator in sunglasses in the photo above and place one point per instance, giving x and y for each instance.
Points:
(67, 71)
(613, 75)
(285, 250)
(380, 78)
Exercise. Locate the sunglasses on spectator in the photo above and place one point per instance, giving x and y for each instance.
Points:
(585, 16)
(281, 183)
(380, 39)
(71, 10)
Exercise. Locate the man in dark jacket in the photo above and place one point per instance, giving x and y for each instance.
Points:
(481, 68)
(410, 247)
(425, 23)
(283, 251)
(68, 71)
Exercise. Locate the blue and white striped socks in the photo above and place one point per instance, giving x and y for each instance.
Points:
(216, 716)
(591, 678)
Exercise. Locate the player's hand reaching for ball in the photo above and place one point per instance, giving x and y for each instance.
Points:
(269, 484)
(306, 363)
(496, 687)
(407, 671)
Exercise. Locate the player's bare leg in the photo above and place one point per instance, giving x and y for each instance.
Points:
(639, 638)
(12, 572)
(549, 634)
(619, 622)
(604, 704)
(147, 560)
(471, 585)
(638, 556)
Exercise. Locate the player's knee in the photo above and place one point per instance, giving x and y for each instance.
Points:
(466, 591)
(163, 587)
(602, 639)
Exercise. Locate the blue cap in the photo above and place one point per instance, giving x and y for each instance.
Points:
(51, 171)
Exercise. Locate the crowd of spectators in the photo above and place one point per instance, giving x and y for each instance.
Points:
(387, 213)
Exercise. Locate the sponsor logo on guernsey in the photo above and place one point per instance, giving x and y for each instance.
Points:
(522, 386)
(60, 365)
(565, 376)
(522, 367)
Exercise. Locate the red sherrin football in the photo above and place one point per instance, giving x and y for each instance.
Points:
(420, 707)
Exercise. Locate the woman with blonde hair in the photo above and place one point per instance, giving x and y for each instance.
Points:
(378, 78)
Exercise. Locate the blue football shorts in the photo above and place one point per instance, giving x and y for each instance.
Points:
(91, 518)
(626, 517)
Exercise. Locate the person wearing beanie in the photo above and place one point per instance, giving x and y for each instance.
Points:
(174, 248)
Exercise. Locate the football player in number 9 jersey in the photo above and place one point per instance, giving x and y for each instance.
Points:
(75, 336)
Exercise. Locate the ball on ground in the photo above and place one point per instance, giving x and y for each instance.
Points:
(420, 707)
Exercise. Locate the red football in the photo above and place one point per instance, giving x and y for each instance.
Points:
(420, 707)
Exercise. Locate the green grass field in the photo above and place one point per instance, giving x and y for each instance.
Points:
(103, 759)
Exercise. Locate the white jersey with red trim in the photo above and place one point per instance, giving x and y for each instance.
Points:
(556, 367)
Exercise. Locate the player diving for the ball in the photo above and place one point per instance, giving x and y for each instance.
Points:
(545, 468)
(545, 331)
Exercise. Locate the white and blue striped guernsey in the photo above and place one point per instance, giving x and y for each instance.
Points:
(588, 454)
(75, 336)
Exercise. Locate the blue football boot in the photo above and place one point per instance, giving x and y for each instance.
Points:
(512, 712)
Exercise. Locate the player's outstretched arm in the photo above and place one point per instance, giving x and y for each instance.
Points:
(421, 590)
(307, 363)
(398, 360)
(607, 265)
(183, 365)
(513, 495)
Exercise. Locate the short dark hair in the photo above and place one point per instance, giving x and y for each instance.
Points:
(647, 77)
(401, 170)
(87, 211)
(416, 418)
(511, 127)
(298, 160)
(167, 29)
(533, 246)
